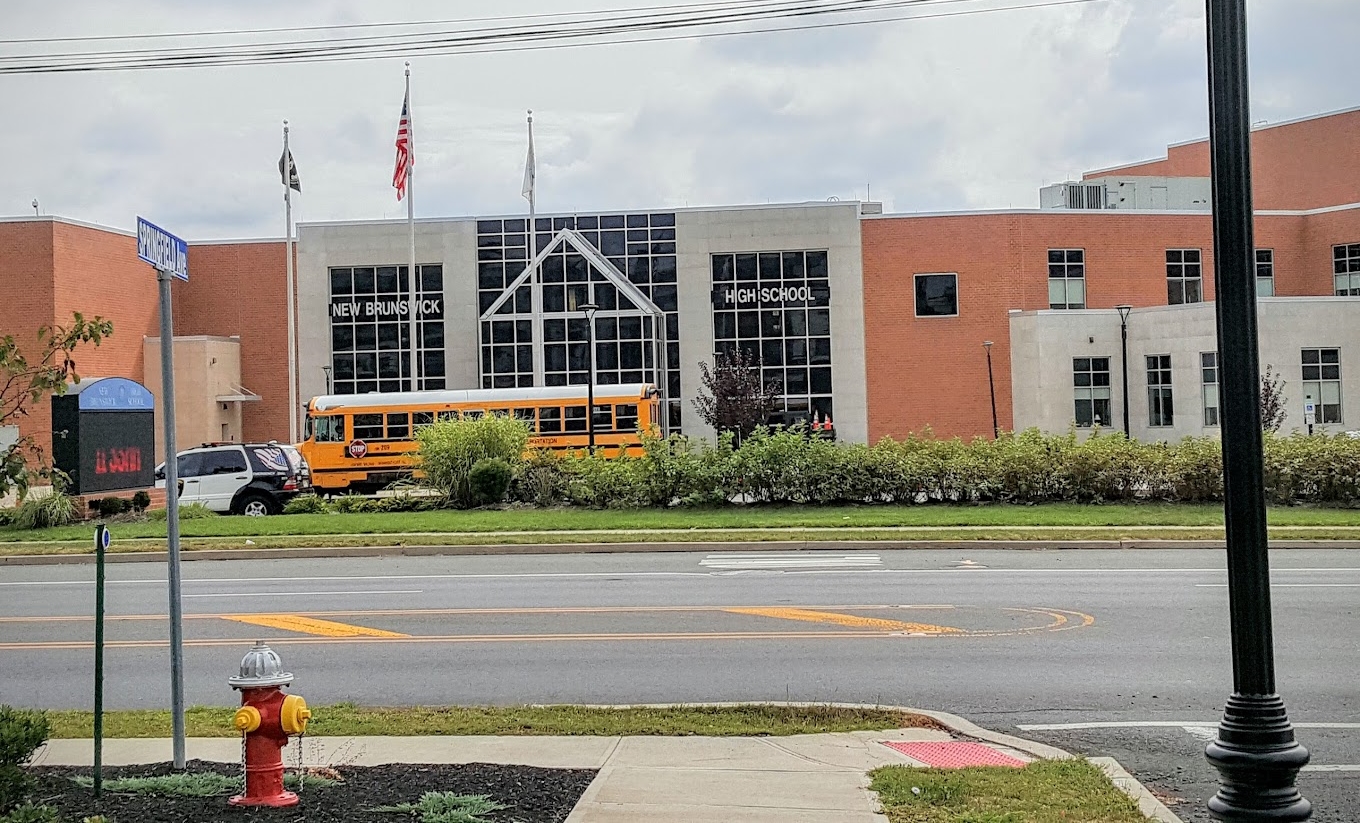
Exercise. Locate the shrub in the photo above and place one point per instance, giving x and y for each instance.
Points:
(404, 501)
(353, 504)
(541, 479)
(306, 504)
(490, 480)
(21, 733)
(29, 812)
(56, 509)
(189, 511)
(450, 448)
(111, 506)
(141, 501)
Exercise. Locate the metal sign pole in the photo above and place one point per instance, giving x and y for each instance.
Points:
(172, 517)
(101, 541)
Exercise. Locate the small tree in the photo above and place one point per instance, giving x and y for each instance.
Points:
(732, 397)
(1273, 401)
(24, 381)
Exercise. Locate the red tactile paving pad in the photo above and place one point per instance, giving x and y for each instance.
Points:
(954, 755)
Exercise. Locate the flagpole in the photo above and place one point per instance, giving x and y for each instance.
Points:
(292, 322)
(413, 275)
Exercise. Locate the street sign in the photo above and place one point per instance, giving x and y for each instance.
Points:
(1309, 413)
(358, 449)
(162, 249)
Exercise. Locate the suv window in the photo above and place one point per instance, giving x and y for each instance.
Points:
(269, 460)
(226, 461)
(188, 465)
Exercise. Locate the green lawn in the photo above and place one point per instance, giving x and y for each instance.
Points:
(346, 719)
(754, 517)
(1048, 791)
(1051, 522)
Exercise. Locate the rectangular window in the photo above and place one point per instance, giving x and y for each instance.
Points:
(549, 420)
(1346, 269)
(1265, 272)
(1184, 276)
(1159, 390)
(937, 295)
(330, 429)
(1091, 388)
(626, 417)
(398, 426)
(776, 307)
(1322, 383)
(368, 426)
(1208, 378)
(576, 418)
(420, 420)
(370, 329)
(1066, 279)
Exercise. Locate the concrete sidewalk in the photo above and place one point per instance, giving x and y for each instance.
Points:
(794, 779)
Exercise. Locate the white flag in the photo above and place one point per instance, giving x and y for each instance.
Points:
(529, 172)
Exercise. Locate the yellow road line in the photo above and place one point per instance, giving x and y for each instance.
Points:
(531, 610)
(848, 620)
(310, 625)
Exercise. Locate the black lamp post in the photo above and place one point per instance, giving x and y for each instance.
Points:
(590, 309)
(991, 388)
(1124, 358)
(327, 370)
(1255, 753)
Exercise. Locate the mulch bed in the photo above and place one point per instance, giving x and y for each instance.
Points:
(530, 795)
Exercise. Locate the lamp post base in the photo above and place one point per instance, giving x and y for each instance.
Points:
(1258, 761)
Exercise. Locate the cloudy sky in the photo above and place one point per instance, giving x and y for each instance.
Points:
(968, 112)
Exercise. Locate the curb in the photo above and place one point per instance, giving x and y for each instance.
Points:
(640, 547)
(1147, 802)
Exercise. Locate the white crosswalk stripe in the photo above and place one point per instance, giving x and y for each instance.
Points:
(792, 560)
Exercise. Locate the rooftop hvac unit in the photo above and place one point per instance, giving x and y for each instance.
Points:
(1084, 195)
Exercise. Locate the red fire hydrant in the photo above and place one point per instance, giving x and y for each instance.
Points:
(267, 718)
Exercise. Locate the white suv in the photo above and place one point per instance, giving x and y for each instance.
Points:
(253, 479)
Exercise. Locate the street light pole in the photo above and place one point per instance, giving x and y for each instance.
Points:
(991, 388)
(590, 309)
(1255, 753)
(327, 370)
(1124, 358)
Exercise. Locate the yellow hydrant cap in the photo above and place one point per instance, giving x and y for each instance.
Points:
(294, 714)
(246, 719)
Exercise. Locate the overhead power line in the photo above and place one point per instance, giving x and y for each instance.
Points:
(522, 33)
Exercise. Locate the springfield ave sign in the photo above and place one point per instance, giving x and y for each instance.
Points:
(162, 249)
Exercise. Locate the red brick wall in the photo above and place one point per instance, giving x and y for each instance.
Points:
(98, 273)
(26, 271)
(239, 289)
(1306, 165)
(933, 371)
(1321, 232)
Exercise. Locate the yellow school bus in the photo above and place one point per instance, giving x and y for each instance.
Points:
(361, 443)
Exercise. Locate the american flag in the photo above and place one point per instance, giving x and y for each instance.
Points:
(405, 159)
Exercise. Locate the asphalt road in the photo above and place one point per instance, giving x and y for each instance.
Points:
(1026, 642)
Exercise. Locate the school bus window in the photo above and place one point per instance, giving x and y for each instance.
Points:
(398, 426)
(604, 418)
(626, 417)
(526, 416)
(576, 418)
(420, 420)
(549, 420)
(368, 426)
(451, 414)
(473, 414)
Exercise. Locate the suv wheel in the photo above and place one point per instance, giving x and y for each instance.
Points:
(256, 505)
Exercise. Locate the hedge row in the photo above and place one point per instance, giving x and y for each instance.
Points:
(788, 466)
